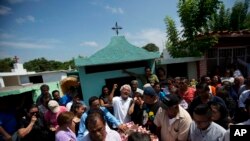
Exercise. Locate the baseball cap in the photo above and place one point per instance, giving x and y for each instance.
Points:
(53, 106)
(169, 101)
(149, 91)
(140, 91)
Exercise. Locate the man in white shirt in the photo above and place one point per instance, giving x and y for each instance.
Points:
(123, 105)
(96, 125)
(202, 128)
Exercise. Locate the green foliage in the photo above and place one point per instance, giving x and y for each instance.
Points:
(239, 15)
(41, 64)
(194, 16)
(234, 19)
(6, 64)
(246, 24)
(151, 47)
(220, 20)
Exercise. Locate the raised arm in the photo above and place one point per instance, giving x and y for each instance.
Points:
(132, 105)
(22, 132)
(112, 92)
(6, 136)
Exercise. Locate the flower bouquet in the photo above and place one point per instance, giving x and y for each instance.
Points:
(131, 127)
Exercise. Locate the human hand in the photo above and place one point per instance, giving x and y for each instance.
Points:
(7, 138)
(52, 129)
(115, 86)
(33, 119)
(135, 98)
(123, 128)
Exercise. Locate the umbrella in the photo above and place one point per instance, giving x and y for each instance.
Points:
(67, 82)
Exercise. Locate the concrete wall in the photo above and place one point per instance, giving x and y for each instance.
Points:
(47, 77)
(202, 67)
(11, 81)
(1, 82)
(51, 77)
(192, 70)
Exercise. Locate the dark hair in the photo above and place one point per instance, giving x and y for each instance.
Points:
(223, 110)
(92, 99)
(203, 79)
(92, 117)
(157, 83)
(44, 86)
(160, 69)
(147, 67)
(32, 106)
(137, 136)
(75, 106)
(203, 110)
(202, 86)
(103, 87)
(53, 92)
(184, 80)
(29, 107)
(64, 118)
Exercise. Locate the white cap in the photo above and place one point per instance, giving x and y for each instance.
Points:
(54, 106)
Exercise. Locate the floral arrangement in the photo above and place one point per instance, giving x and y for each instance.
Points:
(136, 128)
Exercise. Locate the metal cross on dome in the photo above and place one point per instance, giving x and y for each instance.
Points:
(116, 28)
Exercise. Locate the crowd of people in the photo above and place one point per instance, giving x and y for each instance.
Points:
(169, 108)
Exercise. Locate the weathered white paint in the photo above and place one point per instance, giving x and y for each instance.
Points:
(1, 82)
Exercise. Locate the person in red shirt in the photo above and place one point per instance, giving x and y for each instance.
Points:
(186, 92)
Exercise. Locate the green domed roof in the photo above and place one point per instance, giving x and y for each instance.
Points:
(117, 51)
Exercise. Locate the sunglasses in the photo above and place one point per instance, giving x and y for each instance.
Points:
(34, 113)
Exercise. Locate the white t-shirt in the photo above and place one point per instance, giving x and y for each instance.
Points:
(213, 133)
(68, 106)
(112, 135)
(121, 108)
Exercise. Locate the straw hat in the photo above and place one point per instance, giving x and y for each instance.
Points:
(67, 82)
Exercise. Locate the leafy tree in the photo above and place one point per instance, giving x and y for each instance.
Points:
(41, 64)
(151, 47)
(68, 64)
(6, 64)
(38, 65)
(239, 15)
(247, 21)
(194, 16)
(220, 20)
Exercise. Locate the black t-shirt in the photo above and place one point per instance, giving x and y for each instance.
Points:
(39, 130)
(137, 115)
(149, 115)
(145, 116)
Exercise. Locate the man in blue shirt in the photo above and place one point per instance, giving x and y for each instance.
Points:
(95, 105)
